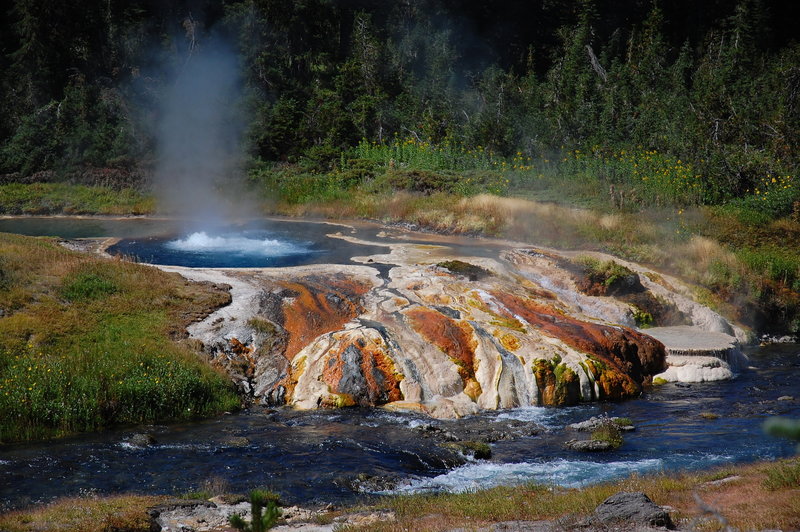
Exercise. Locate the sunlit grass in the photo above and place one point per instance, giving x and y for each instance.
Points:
(745, 502)
(62, 198)
(86, 342)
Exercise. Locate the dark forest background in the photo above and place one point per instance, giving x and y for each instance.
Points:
(716, 83)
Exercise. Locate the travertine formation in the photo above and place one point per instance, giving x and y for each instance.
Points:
(418, 329)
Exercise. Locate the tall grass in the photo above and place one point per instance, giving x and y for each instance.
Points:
(86, 344)
(412, 152)
(62, 198)
(628, 178)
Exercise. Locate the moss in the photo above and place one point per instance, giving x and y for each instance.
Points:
(338, 400)
(557, 384)
(470, 271)
(597, 278)
(642, 318)
(623, 422)
(475, 449)
(608, 432)
(260, 325)
(658, 381)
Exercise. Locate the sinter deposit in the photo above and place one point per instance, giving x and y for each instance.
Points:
(420, 329)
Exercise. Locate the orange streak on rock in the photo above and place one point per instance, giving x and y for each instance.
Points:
(319, 306)
(454, 338)
(632, 357)
(363, 371)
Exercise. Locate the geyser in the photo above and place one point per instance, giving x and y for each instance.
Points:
(237, 244)
(199, 136)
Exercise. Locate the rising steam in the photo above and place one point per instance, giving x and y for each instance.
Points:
(199, 135)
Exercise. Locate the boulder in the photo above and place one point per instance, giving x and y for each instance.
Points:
(141, 439)
(590, 445)
(633, 508)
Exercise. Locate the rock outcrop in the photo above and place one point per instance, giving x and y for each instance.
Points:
(632, 508)
(420, 329)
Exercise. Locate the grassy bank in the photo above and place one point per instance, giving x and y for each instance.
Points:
(639, 204)
(87, 342)
(61, 198)
(752, 497)
(756, 497)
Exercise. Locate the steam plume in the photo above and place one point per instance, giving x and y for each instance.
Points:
(199, 135)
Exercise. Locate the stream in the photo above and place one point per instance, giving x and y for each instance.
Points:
(316, 457)
(313, 457)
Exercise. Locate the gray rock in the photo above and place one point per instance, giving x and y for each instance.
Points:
(596, 421)
(162, 516)
(141, 439)
(635, 508)
(590, 445)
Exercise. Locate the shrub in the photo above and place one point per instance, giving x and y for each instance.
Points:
(783, 475)
(260, 500)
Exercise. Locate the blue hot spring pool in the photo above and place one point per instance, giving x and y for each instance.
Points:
(255, 244)
(251, 246)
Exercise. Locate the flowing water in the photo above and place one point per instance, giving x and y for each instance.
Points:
(314, 457)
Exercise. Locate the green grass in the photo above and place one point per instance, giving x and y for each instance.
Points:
(782, 475)
(447, 155)
(627, 178)
(86, 343)
(62, 198)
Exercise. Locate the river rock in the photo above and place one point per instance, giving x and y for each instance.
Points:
(471, 449)
(596, 421)
(590, 445)
(235, 441)
(141, 439)
(633, 508)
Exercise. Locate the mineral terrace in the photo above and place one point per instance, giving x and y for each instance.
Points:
(422, 328)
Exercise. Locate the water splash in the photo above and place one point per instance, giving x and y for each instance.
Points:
(240, 244)
(560, 472)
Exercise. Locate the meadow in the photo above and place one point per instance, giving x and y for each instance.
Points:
(88, 342)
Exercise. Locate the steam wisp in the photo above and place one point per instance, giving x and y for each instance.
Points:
(199, 135)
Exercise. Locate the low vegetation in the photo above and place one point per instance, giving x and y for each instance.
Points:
(746, 498)
(608, 432)
(62, 198)
(87, 342)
